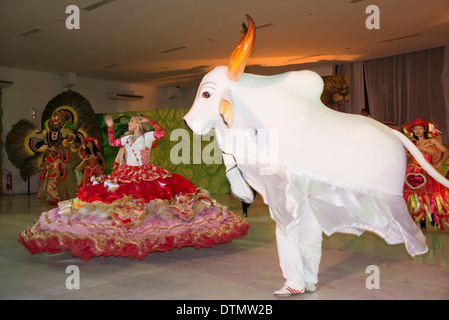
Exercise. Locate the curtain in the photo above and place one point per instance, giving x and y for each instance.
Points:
(401, 88)
(445, 81)
(405, 87)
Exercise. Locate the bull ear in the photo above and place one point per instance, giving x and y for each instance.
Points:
(240, 55)
(226, 112)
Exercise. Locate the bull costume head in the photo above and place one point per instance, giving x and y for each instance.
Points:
(214, 93)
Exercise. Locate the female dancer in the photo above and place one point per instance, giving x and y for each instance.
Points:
(92, 156)
(140, 208)
(425, 197)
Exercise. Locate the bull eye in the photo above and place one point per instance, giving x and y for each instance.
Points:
(206, 95)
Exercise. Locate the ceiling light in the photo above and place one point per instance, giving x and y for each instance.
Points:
(113, 65)
(266, 25)
(400, 38)
(97, 4)
(174, 49)
(124, 96)
(30, 32)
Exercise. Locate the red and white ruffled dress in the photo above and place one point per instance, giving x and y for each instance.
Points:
(140, 208)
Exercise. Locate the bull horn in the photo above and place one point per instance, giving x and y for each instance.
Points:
(240, 55)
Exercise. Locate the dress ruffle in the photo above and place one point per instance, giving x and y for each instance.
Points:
(91, 236)
(150, 210)
(147, 182)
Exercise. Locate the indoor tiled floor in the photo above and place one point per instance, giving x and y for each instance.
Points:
(245, 269)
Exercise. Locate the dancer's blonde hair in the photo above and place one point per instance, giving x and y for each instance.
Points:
(144, 126)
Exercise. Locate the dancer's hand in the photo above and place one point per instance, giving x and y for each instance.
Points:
(143, 119)
(108, 120)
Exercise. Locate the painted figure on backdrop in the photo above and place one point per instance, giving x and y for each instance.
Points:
(336, 92)
(67, 120)
(93, 161)
(427, 200)
(288, 136)
(139, 208)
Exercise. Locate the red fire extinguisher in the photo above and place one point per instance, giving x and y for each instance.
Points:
(8, 182)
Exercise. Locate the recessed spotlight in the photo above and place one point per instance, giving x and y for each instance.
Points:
(97, 4)
(400, 38)
(174, 49)
(30, 32)
(266, 25)
(113, 65)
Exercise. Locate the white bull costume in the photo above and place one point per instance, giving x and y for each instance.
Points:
(317, 169)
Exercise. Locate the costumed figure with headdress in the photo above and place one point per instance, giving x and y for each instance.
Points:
(93, 160)
(66, 120)
(139, 208)
(425, 197)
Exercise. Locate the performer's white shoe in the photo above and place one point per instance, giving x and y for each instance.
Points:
(287, 291)
(310, 287)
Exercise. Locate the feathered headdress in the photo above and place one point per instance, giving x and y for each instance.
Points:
(429, 126)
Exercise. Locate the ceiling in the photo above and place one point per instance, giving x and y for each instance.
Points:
(166, 43)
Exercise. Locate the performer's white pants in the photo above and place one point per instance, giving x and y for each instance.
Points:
(299, 251)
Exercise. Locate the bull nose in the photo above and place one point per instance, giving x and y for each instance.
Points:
(194, 126)
(187, 124)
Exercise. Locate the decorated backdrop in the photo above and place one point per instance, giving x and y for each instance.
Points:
(180, 151)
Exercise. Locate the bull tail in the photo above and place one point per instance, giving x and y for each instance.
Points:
(414, 151)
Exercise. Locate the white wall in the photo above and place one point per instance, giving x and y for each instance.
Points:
(35, 89)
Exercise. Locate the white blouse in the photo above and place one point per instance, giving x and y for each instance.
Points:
(138, 153)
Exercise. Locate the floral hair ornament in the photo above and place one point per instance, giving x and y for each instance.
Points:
(90, 139)
(429, 126)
